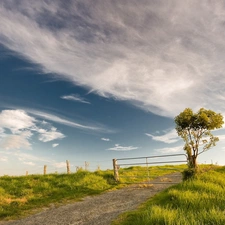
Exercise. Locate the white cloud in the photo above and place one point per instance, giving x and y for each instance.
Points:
(160, 56)
(16, 120)
(29, 163)
(2, 133)
(15, 142)
(50, 135)
(171, 150)
(117, 147)
(170, 137)
(105, 139)
(22, 127)
(76, 98)
(55, 145)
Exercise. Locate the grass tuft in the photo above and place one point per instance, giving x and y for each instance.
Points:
(199, 201)
(24, 195)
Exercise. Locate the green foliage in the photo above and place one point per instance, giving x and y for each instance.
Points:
(198, 201)
(189, 173)
(194, 129)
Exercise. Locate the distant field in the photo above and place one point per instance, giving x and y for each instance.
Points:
(23, 195)
(200, 201)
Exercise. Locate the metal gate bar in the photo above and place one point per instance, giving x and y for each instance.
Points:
(117, 166)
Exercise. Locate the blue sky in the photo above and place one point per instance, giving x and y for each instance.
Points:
(97, 80)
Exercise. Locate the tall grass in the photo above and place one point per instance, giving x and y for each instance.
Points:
(199, 201)
(139, 174)
(20, 196)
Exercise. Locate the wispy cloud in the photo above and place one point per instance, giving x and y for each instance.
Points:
(15, 142)
(24, 157)
(29, 163)
(170, 137)
(105, 139)
(76, 98)
(171, 150)
(55, 145)
(66, 122)
(22, 127)
(150, 54)
(118, 147)
(50, 135)
(16, 120)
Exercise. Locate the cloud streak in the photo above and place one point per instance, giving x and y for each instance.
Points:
(55, 145)
(159, 56)
(171, 150)
(118, 147)
(105, 139)
(29, 163)
(66, 122)
(168, 138)
(75, 98)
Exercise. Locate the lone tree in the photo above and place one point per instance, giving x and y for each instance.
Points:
(194, 129)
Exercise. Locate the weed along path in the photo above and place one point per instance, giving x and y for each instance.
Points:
(101, 209)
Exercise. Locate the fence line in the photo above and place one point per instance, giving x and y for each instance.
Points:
(68, 167)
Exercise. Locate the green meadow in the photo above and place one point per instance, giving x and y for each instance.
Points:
(197, 201)
(21, 196)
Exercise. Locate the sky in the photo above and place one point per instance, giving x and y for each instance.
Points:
(90, 81)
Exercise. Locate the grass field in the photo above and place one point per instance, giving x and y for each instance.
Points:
(199, 201)
(23, 195)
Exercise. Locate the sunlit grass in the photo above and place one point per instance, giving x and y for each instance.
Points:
(20, 196)
(140, 174)
(199, 201)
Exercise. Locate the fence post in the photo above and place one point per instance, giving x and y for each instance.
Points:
(26, 173)
(68, 166)
(147, 169)
(45, 169)
(115, 169)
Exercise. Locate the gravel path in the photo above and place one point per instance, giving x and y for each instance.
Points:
(101, 209)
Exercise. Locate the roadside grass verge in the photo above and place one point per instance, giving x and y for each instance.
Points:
(198, 201)
(21, 196)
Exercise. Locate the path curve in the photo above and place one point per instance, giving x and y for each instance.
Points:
(101, 209)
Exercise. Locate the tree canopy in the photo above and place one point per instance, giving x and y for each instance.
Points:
(195, 130)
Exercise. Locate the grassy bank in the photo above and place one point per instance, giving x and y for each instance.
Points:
(20, 196)
(200, 201)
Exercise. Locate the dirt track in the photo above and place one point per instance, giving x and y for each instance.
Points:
(98, 210)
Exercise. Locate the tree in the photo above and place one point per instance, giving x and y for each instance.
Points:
(195, 130)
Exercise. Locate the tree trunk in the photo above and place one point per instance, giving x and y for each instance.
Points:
(193, 162)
